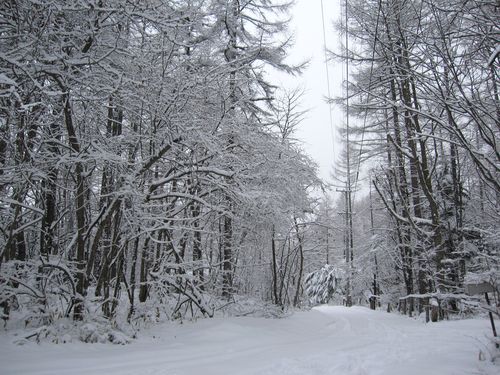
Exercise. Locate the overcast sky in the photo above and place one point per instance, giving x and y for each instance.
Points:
(315, 130)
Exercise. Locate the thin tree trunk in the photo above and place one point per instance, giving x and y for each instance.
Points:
(80, 211)
(301, 263)
(274, 267)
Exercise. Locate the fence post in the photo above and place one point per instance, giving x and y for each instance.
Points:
(434, 309)
(492, 321)
(425, 303)
(373, 302)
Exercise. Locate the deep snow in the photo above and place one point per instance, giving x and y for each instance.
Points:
(325, 340)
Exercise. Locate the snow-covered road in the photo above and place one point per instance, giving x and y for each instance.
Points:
(325, 340)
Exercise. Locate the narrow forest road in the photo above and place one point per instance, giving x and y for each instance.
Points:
(325, 340)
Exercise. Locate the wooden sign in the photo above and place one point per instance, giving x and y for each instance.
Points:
(480, 288)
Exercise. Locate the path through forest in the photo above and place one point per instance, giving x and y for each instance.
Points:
(325, 340)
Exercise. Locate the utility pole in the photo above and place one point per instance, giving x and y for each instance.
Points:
(327, 237)
(348, 241)
(373, 300)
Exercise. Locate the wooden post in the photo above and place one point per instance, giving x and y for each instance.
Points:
(441, 310)
(425, 302)
(421, 305)
(492, 321)
(434, 310)
(373, 302)
(483, 287)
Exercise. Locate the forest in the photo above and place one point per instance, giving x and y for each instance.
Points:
(149, 167)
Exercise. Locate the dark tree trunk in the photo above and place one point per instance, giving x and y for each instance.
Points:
(227, 261)
(80, 196)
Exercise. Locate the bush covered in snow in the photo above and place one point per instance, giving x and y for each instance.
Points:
(322, 284)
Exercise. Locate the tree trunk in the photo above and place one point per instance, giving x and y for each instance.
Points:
(80, 203)
(274, 267)
(301, 263)
(227, 269)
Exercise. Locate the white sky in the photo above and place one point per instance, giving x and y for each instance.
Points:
(315, 131)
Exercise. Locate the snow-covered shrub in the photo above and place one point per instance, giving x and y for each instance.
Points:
(322, 284)
(180, 295)
(94, 333)
(249, 306)
(38, 292)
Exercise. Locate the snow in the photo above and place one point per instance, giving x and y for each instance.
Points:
(325, 340)
(4, 80)
(494, 55)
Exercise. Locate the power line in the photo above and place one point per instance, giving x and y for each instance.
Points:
(367, 98)
(328, 83)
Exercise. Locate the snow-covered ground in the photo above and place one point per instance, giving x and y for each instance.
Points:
(325, 340)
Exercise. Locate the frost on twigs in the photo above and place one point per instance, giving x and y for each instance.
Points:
(38, 293)
(254, 307)
(67, 331)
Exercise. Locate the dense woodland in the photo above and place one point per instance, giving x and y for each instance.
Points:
(149, 167)
(424, 89)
